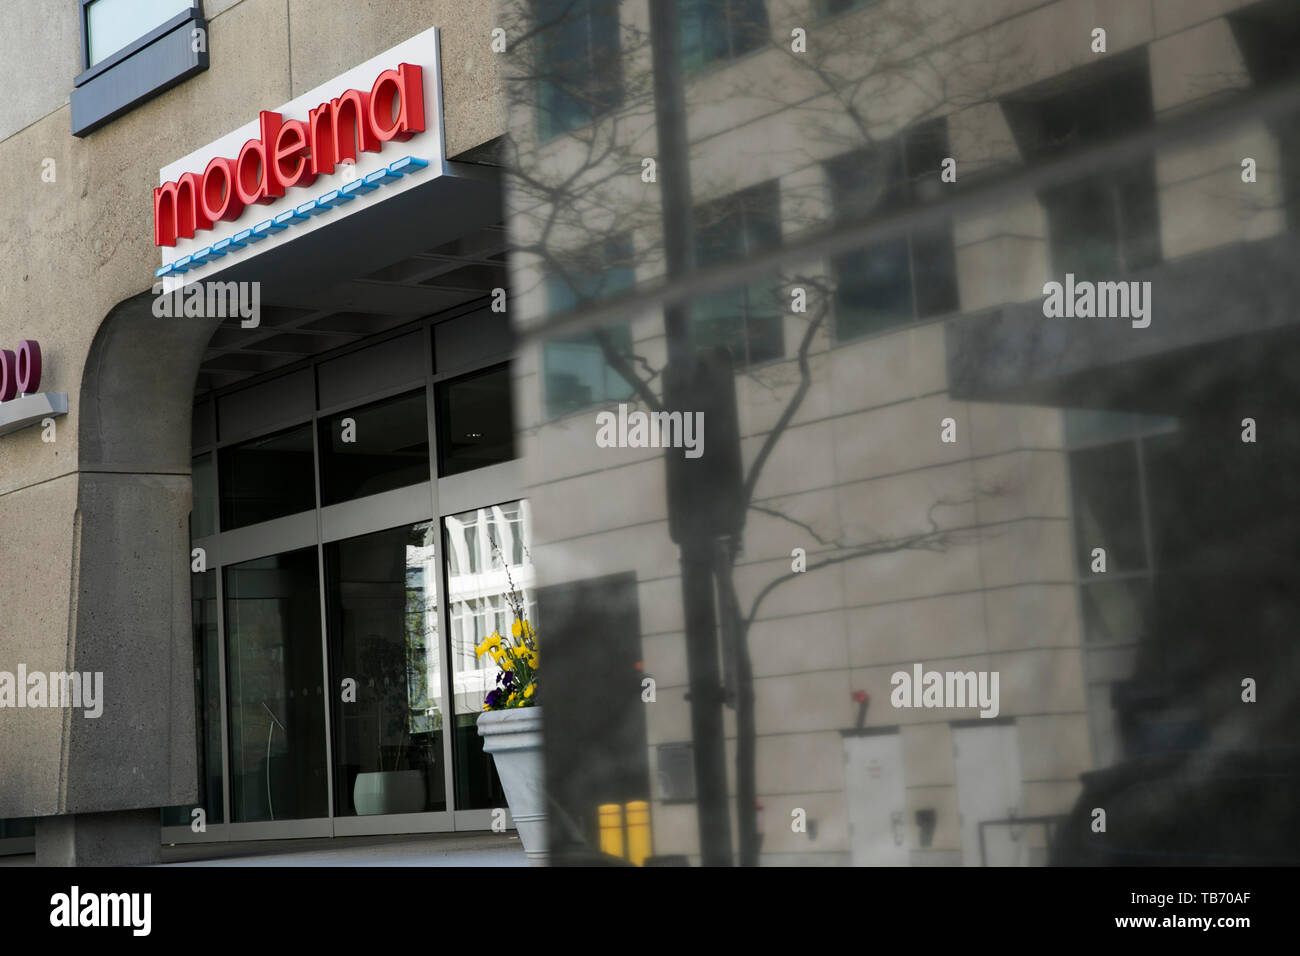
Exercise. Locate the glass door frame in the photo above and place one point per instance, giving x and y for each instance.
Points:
(430, 500)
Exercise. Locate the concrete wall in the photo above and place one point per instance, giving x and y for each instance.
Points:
(93, 540)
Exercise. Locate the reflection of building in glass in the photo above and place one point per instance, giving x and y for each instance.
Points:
(487, 564)
(1070, 435)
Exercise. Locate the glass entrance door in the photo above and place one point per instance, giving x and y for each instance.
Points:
(278, 754)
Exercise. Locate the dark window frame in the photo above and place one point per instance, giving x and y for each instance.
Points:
(902, 156)
(147, 67)
(741, 209)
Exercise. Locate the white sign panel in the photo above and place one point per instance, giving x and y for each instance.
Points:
(359, 140)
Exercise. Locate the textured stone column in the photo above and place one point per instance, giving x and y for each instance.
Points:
(120, 838)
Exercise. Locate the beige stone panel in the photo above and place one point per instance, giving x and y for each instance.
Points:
(1026, 551)
(929, 358)
(796, 763)
(998, 428)
(77, 247)
(1194, 64)
(1054, 747)
(947, 825)
(674, 828)
(900, 506)
(661, 605)
(1051, 798)
(664, 657)
(763, 394)
(800, 702)
(883, 369)
(927, 756)
(825, 810)
(1212, 211)
(901, 633)
(1032, 616)
(588, 507)
(668, 719)
(1001, 270)
(39, 543)
(878, 682)
(1057, 37)
(802, 459)
(42, 84)
(1172, 15)
(772, 533)
(812, 642)
(645, 550)
(899, 438)
(1221, 155)
(1040, 682)
(328, 39)
(567, 447)
(798, 594)
(1021, 217)
(1022, 484)
(980, 138)
(902, 575)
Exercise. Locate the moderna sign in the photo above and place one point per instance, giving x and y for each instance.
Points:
(291, 153)
(339, 138)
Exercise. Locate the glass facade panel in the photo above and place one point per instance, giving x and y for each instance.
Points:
(203, 516)
(489, 567)
(475, 421)
(384, 635)
(114, 24)
(273, 667)
(375, 448)
(266, 478)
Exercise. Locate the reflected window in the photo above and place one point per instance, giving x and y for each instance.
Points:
(579, 71)
(1108, 507)
(274, 672)
(266, 478)
(475, 421)
(746, 320)
(899, 280)
(375, 448)
(715, 30)
(578, 375)
(489, 566)
(1108, 223)
(576, 372)
(829, 8)
(383, 628)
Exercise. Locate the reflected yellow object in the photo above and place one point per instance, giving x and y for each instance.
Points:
(638, 831)
(611, 829)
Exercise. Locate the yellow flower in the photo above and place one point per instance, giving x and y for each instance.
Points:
(529, 691)
(516, 628)
(511, 698)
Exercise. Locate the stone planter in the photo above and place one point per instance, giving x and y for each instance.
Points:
(514, 739)
(389, 791)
